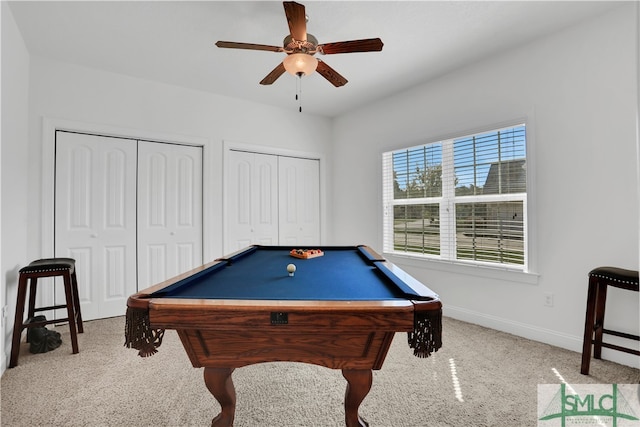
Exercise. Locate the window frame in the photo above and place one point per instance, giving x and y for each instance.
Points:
(448, 201)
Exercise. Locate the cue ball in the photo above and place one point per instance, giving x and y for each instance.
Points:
(291, 268)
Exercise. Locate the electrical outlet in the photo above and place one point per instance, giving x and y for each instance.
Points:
(548, 299)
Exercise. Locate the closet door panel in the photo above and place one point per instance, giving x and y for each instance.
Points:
(95, 206)
(238, 193)
(264, 214)
(169, 211)
(299, 201)
(251, 213)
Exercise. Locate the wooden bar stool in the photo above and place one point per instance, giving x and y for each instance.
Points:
(599, 279)
(49, 267)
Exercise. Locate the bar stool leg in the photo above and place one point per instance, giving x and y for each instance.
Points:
(17, 324)
(601, 300)
(71, 312)
(31, 309)
(588, 326)
(76, 302)
(33, 283)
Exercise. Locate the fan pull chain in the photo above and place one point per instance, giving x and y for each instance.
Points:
(299, 92)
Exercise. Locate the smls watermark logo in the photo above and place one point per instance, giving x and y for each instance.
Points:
(605, 405)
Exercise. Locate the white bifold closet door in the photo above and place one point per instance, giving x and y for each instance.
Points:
(169, 211)
(251, 187)
(271, 200)
(95, 219)
(129, 212)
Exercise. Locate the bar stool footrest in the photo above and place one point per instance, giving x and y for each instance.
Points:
(53, 307)
(44, 323)
(621, 334)
(620, 348)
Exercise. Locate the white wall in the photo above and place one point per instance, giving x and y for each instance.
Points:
(578, 92)
(15, 158)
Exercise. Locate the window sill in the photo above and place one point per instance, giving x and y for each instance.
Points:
(457, 267)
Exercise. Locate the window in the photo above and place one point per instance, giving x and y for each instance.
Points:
(462, 199)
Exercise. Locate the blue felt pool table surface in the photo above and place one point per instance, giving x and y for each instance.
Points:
(347, 273)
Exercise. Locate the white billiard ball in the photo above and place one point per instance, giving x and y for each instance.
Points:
(291, 268)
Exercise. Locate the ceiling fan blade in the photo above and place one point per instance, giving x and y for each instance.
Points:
(296, 19)
(250, 46)
(273, 75)
(364, 45)
(330, 74)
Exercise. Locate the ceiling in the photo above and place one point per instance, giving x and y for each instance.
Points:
(173, 42)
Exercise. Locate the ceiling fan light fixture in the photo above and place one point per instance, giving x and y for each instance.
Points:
(300, 64)
(300, 46)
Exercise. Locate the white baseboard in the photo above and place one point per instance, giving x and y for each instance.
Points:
(536, 333)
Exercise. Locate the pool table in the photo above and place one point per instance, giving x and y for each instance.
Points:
(339, 310)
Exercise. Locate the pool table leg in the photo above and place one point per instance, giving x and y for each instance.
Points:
(358, 386)
(220, 384)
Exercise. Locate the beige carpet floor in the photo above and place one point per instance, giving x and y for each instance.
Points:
(480, 377)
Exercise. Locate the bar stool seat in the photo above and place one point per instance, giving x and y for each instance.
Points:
(599, 280)
(29, 275)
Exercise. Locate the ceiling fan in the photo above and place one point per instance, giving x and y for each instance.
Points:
(301, 46)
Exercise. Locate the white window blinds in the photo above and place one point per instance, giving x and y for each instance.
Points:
(460, 199)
